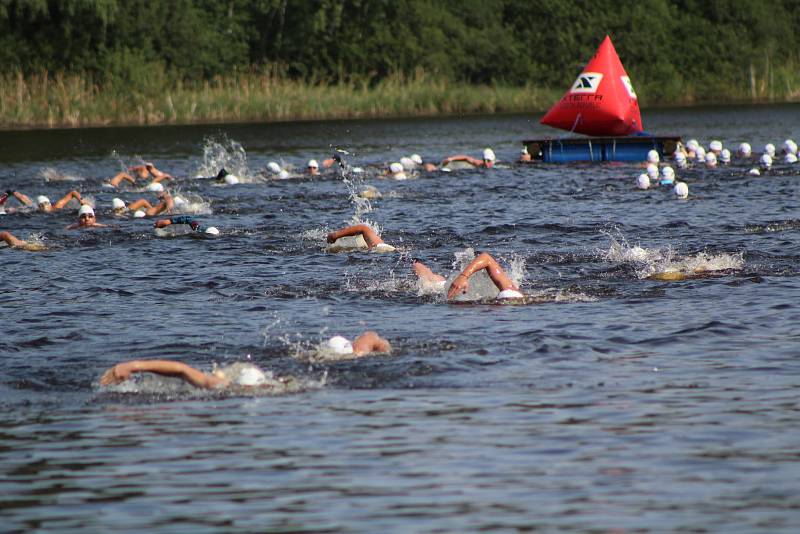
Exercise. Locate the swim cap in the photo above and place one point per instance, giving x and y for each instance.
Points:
(766, 161)
(715, 145)
(667, 171)
(509, 294)
(711, 159)
(692, 145)
(284, 174)
(138, 214)
(754, 172)
(41, 199)
(725, 156)
(790, 147)
(117, 204)
(488, 154)
(273, 167)
(312, 164)
(407, 163)
(231, 179)
(643, 181)
(769, 148)
(652, 171)
(383, 247)
(155, 187)
(790, 158)
(211, 230)
(681, 190)
(85, 209)
(416, 158)
(396, 167)
(250, 376)
(745, 149)
(339, 345)
(652, 156)
(700, 154)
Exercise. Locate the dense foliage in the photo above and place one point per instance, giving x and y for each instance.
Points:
(674, 50)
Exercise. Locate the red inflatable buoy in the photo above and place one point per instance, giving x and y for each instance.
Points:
(601, 101)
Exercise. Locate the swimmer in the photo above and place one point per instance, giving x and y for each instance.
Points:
(13, 242)
(165, 206)
(313, 167)
(147, 170)
(185, 219)
(487, 161)
(715, 147)
(371, 238)
(725, 156)
(524, 156)
(643, 181)
(745, 151)
(119, 178)
(367, 343)
(397, 171)
(42, 202)
(653, 157)
(460, 284)
(86, 219)
(249, 376)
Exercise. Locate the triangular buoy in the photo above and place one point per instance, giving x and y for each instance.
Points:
(601, 101)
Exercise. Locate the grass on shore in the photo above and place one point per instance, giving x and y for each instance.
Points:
(60, 100)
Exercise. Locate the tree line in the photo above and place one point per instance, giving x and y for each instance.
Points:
(674, 50)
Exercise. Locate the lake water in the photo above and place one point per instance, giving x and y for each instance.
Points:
(614, 403)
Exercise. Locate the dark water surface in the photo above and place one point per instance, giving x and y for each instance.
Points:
(617, 403)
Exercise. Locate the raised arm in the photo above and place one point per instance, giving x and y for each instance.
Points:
(119, 177)
(482, 261)
(463, 157)
(372, 239)
(63, 201)
(123, 371)
(22, 197)
(369, 342)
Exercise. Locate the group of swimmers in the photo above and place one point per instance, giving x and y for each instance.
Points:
(694, 154)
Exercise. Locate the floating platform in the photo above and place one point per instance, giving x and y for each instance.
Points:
(623, 148)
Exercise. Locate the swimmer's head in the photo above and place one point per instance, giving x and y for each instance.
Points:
(680, 160)
(138, 214)
(407, 163)
(231, 179)
(397, 171)
(715, 146)
(725, 156)
(652, 171)
(668, 172)
(86, 209)
(766, 161)
(313, 166)
(700, 154)
(155, 187)
(416, 158)
(790, 158)
(43, 202)
(769, 149)
(250, 376)
(790, 147)
(711, 159)
(339, 345)
(745, 150)
(754, 172)
(653, 157)
(643, 181)
(488, 157)
(283, 175)
(681, 190)
(118, 205)
(211, 230)
(692, 145)
(273, 167)
(383, 247)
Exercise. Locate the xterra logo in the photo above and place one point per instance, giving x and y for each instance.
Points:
(587, 82)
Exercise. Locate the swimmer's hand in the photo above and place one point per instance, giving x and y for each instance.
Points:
(161, 223)
(331, 237)
(459, 286)
(119, 373)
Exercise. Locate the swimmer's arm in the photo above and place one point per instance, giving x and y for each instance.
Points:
(22, 197)
(115, 181)
(370, 342)
(11, 240)
(123, 371)
(369, 234)
(328, 162)
(69, 196)
(462, 157)
(483, 261)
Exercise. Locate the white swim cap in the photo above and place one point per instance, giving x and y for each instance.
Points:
(396, 167)
(211, 230)
(509, 294)
(138, 214)
(652, 171)
(643, 181)
(488, 154)
(715, 145)
(754, 172)
(667, 172)
(231, 179)
(725, 156)
(155, 187)
(681, 190)
(312, 164)
(407, 163)
(416, 158)
(769, 148)
(273, 167)
(692, 145)
(652, 156)
(284, 174)
(339, 345)
(766, 161)
(117, 204)
(790, 158)
(711, 159)
(745, 149)
(85, 208)
(700, 154)
(790, 147)
(383, 247)
(41, 199)
(679, 154)
(250, 376)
